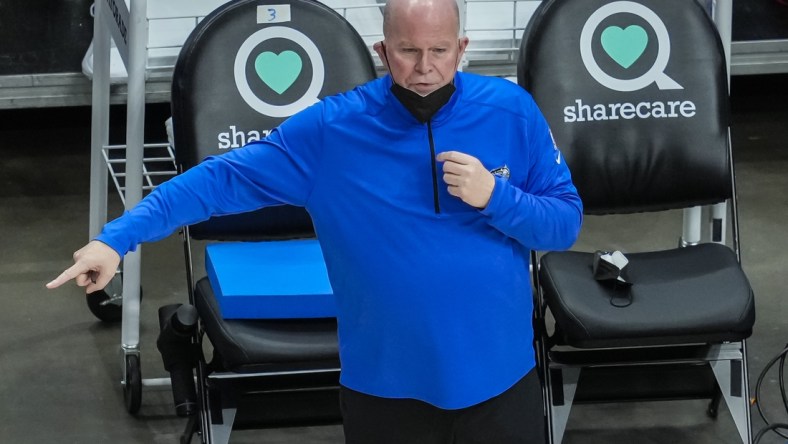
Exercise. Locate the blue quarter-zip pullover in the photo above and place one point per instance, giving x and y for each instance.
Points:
(434, 296)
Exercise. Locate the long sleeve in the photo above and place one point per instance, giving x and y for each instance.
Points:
(544, 213)
(265, 173)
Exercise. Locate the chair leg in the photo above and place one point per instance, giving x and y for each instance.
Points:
(561, 387)
(221, 414)
(731, 377)
(191, 428)
(220, 433)
(714, 403)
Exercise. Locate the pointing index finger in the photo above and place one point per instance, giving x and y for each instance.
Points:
(65, 276)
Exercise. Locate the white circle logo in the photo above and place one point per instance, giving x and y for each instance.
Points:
(655, 74)
(242, 83)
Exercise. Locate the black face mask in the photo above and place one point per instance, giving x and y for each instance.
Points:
(423, 107)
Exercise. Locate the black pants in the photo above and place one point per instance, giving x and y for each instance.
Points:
(514, 417)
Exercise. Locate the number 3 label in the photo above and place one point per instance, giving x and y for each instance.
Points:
(273, 14)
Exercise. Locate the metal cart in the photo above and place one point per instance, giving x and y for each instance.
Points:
(134, 167)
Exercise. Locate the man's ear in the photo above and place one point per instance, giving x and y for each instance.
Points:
(463, 44)
(380, 49)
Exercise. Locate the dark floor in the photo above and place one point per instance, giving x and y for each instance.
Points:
(60, 368)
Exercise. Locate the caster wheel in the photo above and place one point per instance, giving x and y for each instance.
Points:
(132, 388)
(107, 304)
(104, 307)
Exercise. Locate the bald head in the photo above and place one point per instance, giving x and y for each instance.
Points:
(396, 11)
(421, 45)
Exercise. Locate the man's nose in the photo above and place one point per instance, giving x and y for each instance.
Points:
(424, 63)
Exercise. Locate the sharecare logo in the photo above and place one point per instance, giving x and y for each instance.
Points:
(622, 43)
(625, 46)
(580, 112)
(278, 71)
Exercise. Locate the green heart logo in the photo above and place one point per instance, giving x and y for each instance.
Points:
(624, 46)
(280, 71)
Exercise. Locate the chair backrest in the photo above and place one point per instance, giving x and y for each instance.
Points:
(244, 69)
(636, 96)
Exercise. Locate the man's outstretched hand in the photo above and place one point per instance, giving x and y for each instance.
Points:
(94, 266)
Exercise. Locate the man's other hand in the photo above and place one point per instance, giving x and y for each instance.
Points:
(467, 178)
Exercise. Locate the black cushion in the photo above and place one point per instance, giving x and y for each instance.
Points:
(685, 295)
(247, 346)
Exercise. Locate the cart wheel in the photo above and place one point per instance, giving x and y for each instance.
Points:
(106, 307)
(132, 388)
(103, 308)
(106, 304)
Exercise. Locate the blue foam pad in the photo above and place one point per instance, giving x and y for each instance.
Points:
(270, 280)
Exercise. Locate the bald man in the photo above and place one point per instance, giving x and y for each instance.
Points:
(427, 187)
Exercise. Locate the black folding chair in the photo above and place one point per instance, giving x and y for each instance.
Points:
(230, 87)
(636, 96)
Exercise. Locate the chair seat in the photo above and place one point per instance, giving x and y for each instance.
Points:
(696, 294)
(254, 345)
